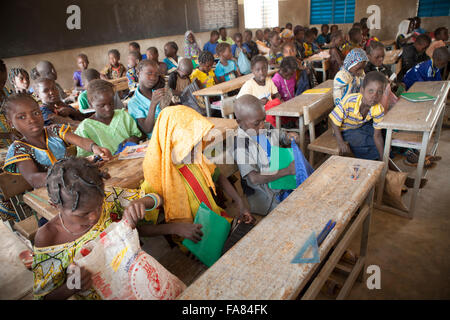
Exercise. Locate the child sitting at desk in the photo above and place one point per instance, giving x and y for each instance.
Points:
(172, 58)
(261, 86)
(252, 146)
(413, 54)
(134, 58)
(82, 63)
(348, 79)
(83, 103)
(262, 46)
(19, 79)
(179, 79)
(211, 45)
(115, 69)
(134, 46)
(275, 54)
(324, 37)
(355, 39)
(152, 54)
(248, 36)
(299, 37)
(440, 38)
(86, 208)
(144, 106)
(308, 44)
(428, 70)
(355, 118)
(191, 48)
(108, 128)
(336, 55)
(285, 78)
(41, 146)
(175, 167)
(204, 75)
(53, 109)
(226, 68)
(224, 38)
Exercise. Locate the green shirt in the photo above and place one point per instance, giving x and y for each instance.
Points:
(122, 127)
(83, 101)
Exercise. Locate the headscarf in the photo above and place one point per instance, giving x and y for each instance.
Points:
(354, 57)
(403, 28)
(177, 131)
(190, 49)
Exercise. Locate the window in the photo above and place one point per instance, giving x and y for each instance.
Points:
(214, 14)
(332, 11)
(260, 14)
(433, 8)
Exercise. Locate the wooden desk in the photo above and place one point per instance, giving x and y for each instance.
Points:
(259, 266)
(120, 83)
(223, 88)
(126, 173)
(391, 59)
(16, 281)
(323, 61)
(295, 108)
(388, 43)
(416, 122)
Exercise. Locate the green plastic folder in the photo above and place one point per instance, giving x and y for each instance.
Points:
(215, 232)
(281, 158)
(417, 96)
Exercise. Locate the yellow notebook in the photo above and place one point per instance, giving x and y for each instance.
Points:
(319, 90)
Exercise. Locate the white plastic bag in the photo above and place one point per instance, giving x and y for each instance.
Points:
(121, 270)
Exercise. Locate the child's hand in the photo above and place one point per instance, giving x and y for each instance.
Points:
(293, 135)
(133, 139)
(104, 153)
(246, 217)
(157, 96)
(264, 101)
(85, 277)
(344, 148)
(189, 231)
(291, 168)
(134, 212)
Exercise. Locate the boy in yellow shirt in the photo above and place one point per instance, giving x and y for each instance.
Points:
(355, 119)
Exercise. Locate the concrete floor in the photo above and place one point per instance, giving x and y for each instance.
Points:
(414, 255)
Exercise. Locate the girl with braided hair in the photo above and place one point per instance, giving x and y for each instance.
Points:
(40, 146)
(19, 79)
(76, 187)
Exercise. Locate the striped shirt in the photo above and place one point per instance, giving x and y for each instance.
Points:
(346, 115)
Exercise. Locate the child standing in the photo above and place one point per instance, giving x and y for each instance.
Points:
(108, 128)
(53, 109)
(82, 63)
(180, 79)
(226, 69)
(191, 48)
(355, 119)
(152, 54)
(204, 75)
(40, 146)
(171, 59)
(348, 79)
(115, 69)
(144, 106)
(253, 142)
(428, 70)
(261, 86)
(134, 58)
(336, 55)
(211, 45)
(19, 79)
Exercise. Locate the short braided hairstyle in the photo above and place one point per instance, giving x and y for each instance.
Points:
(205, 57)
(15, 72)
(77, 178)
(10, 101)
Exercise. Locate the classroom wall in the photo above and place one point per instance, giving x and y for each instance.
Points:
(65, 61)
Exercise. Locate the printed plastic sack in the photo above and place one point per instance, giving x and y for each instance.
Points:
(393, 189)
(243, 63)
(123, 271)
(189, 100)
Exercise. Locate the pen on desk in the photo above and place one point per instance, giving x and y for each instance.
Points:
(327, 231)
(324, 230)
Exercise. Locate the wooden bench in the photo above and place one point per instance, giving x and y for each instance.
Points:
(13, 186)
(326, 143)
(258, 267)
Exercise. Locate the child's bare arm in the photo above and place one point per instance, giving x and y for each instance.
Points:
(88, 145)
(259, 178)
(147, 124)
(30, 172)
(344, 148)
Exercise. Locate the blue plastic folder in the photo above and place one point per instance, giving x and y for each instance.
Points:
(215, 232)
(281, 158)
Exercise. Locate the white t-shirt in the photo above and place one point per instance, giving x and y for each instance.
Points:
(266, 91)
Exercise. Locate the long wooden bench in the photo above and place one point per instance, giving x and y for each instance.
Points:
(326, 143)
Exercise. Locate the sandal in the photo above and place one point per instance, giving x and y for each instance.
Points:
(409, 182)
(433, 158)
(427, 163)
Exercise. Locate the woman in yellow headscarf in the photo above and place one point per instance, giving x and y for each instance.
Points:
(183, 183)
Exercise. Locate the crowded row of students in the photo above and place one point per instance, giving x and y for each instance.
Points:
(38, 125)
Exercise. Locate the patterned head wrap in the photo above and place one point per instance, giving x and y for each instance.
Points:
(354, 57)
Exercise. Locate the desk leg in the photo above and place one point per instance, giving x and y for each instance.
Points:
(301, 129)
(278, 122)
(437, 135)
(222, 97)
(312, 137)
(419, 172)
(387, 148)
(208, 106)
(365, 232)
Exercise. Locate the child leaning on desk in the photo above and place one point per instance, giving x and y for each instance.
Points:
(355, 119)
(226, 68)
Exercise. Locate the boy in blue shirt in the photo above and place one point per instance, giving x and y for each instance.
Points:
(226, 69)
(427, 70)
(212, 43)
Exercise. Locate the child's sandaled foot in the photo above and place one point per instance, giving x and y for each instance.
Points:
(433, 158)
(409, 182)
(427, 163)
